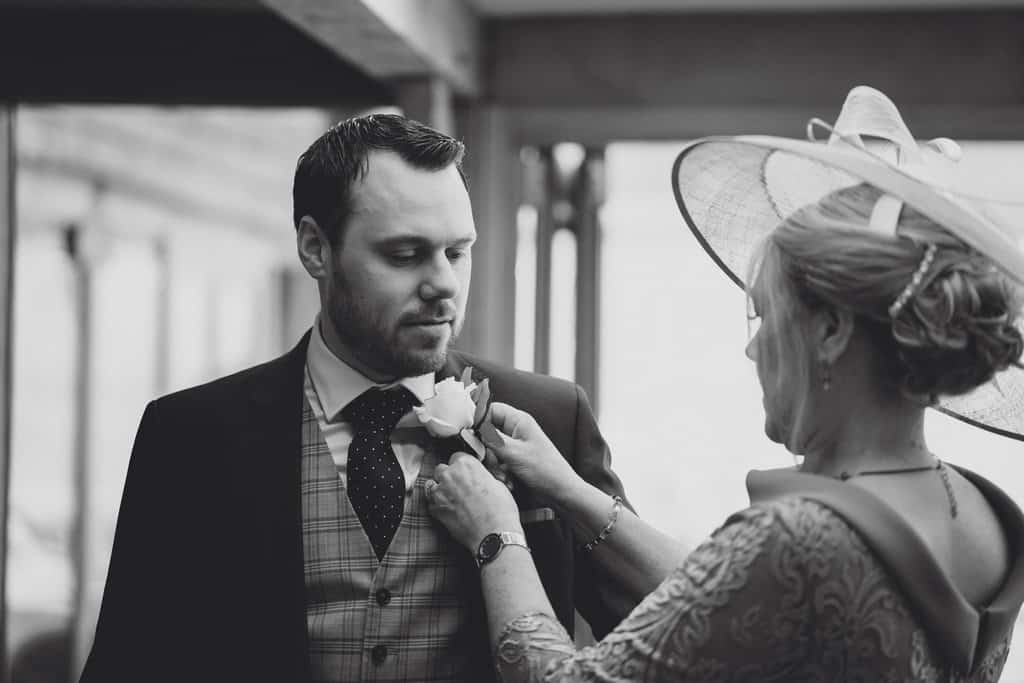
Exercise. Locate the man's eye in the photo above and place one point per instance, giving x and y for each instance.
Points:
(456, 254)
(407, 256)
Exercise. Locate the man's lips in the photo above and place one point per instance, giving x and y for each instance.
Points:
(429, 322)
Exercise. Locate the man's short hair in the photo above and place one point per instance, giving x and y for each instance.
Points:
(326, 172)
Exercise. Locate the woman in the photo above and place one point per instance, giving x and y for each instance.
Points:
(876, 561)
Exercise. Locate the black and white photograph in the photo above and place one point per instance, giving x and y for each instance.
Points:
(524, 341)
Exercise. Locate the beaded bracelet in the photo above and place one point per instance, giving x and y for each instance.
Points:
(612, 519)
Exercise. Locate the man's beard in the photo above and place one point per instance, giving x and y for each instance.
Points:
(378, 345)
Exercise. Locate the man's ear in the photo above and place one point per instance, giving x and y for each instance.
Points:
(833, 329)
(314, 248)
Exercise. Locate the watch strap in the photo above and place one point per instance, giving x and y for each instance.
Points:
(504, 538)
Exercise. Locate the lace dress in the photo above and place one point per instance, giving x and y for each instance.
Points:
(787, 590)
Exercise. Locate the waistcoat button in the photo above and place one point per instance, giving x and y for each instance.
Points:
(383, 597)
(379, 653)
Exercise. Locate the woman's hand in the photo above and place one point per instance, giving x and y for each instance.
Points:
(470, 502)
(525, 452)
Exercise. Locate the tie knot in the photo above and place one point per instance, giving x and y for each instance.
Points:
(379, 409)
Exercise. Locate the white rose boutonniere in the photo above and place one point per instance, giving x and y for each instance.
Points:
(457, 410)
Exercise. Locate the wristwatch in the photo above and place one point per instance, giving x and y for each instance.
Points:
(493, 543)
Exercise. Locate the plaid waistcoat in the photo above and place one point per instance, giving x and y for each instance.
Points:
(415, 616)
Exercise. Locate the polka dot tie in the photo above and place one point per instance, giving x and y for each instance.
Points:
(376, 485)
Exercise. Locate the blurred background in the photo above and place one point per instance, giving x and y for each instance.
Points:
(146, 245)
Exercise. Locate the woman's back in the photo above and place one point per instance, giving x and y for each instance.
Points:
(970, 547)
(818, 581)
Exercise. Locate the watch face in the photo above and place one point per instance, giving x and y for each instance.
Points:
(489, 547)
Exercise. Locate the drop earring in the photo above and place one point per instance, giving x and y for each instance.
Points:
(826, 376)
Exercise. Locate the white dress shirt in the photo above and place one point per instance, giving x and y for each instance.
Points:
(331, 384)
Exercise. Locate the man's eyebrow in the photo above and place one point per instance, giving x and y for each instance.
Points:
(402, 240)
(418, 241)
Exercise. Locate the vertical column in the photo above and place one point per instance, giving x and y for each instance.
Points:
(7, 234)
(162, 342)
(492, 166)
(545, 231)
(81, 255)
(428, 100)
(587, 197)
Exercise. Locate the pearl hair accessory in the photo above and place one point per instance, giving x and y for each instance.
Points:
(915, 282)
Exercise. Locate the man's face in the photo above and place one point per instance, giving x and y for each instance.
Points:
(398, 281)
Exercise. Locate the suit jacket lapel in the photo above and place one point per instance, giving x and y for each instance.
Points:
(271, 441)
(453, 367)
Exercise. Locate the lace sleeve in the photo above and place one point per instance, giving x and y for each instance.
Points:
(742, 606)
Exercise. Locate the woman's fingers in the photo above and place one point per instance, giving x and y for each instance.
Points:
(468, 500)
(512, 421)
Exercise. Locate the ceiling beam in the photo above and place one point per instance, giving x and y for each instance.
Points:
(600, 125)
(135, 54)
(806, 60)
(393, 39)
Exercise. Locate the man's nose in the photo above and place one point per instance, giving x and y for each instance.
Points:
(439, 280)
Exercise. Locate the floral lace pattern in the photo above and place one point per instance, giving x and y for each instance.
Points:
(784, 591)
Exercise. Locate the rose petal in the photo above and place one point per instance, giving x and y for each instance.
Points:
(483, 395)
(449, 385)
(437, 427)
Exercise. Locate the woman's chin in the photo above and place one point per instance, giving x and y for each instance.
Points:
(774, 432)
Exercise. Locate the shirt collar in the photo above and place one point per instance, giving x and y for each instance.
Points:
(337, 383)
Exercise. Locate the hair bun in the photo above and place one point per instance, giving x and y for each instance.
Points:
(960, 327)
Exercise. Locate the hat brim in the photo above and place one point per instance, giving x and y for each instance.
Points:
(733, 191)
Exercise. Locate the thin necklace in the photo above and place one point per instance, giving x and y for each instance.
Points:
(939, 466)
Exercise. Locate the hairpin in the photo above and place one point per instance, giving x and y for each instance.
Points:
(915, 282)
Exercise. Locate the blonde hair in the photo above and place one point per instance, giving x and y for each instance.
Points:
(957, 330)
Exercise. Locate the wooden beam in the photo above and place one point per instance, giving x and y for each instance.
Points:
(959, 58)
(600, 125)
(7, 227)
(390, 39)
(172, 55)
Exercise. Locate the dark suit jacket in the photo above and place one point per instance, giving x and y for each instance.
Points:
(206, 577)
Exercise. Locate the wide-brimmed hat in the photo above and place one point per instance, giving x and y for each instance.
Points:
(733, 191)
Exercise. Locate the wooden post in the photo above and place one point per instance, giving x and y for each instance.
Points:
(7, 235)
(545, 231)
(428, 100)
(587, 197)
(75, 237)
(162, 341)
(493, 168)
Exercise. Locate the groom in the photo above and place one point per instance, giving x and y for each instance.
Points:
(273, 525)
